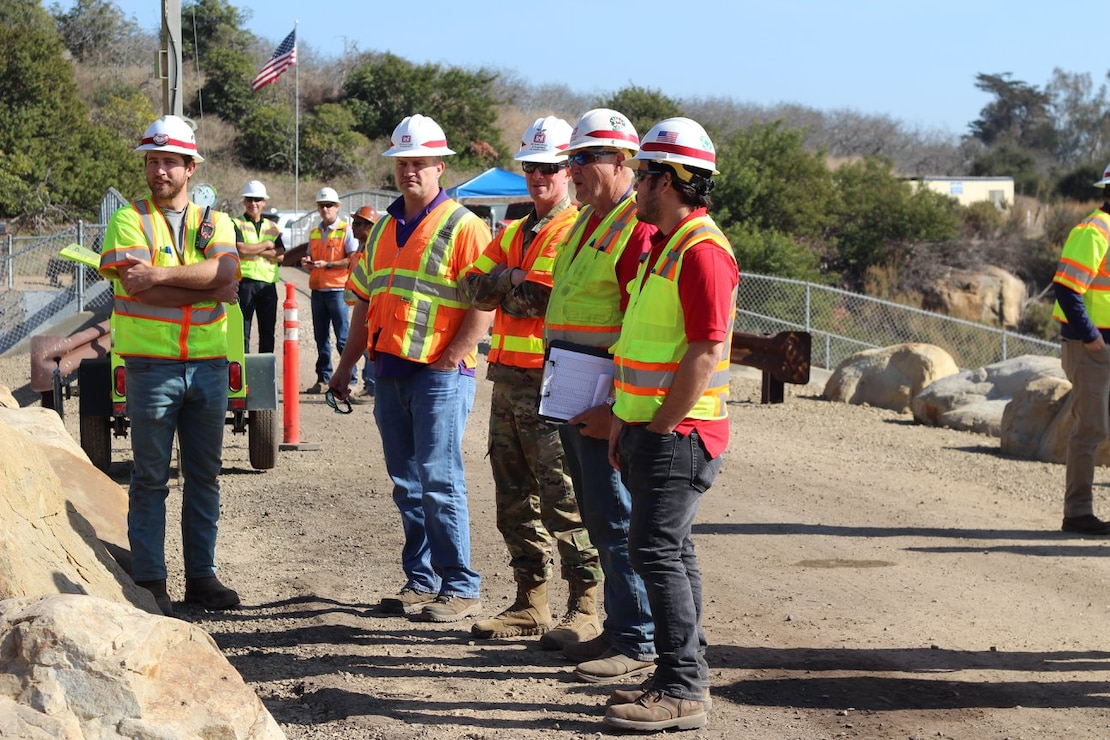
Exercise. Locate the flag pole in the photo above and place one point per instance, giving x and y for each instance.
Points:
(296, 130)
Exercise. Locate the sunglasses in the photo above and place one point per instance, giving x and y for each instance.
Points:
(584, 158)
(642, 175)
(544, 169)
(254, 200)
(333, 402)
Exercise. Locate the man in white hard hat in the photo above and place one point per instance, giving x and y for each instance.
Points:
(330, 245)
(1083, 310)
(536, 510)
(670, 418)
(592, 270)
(424, 337)
(173, 266)
(261, 250)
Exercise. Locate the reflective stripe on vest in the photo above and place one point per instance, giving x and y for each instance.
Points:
(332, 249)
(253, 266)
(198, 331)
(585, 300)
(653, 339)
(1083, 268)
(415, 301)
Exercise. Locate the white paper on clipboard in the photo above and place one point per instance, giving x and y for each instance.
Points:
(575, 378)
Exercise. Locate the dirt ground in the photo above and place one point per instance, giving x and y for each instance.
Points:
(865, 578)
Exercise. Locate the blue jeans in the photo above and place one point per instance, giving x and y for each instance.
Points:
(606, 509)
(191, 399)
(421, 420)
(667, 475)
(329, 311)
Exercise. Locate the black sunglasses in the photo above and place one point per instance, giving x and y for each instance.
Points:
(254, 200)
(330, 400)
(543, 167)
(584, 158)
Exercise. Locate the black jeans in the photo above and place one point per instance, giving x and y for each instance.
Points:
(257, 297)
(666, 475)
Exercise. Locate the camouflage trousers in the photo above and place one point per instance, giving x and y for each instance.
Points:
(536, 508)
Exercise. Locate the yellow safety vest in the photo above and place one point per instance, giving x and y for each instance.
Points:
(193, 332)
(653, 339)
(255, 266)
(1083, 268)
(585, 304)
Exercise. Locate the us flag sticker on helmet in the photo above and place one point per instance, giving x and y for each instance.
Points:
(667, 137)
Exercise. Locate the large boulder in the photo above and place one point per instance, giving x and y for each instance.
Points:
(975, 400)
(989, 295)
(1039, 420)
(78, 667)
(7, 400)
(889, 377)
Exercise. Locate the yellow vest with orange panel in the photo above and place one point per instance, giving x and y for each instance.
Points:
(518, 342)
(254, 266)
(332, 249)
(585, 300)
(416, 307)
(194, 332)
(653, 339)
(1083, 268)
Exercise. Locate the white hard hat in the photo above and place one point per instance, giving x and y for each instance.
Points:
(170, 134)
(327, 195)
(417, 136)
(546, 140)
(255, 189)
(604, 127)
(1105, 178)
(677, 141)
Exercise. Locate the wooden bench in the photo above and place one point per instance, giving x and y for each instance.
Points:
(783, 358)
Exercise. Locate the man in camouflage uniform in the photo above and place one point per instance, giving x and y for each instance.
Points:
(536, 507)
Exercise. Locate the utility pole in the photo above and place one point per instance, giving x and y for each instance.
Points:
(169, 58)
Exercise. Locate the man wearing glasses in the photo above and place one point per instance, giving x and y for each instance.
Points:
(536, 510)
(330, 245)
(588, 298)
(260, 248)
(423, 335)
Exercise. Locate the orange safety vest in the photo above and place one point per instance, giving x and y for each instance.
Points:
(653, 339)
(416, 307)
(518, 342)
(333, 249)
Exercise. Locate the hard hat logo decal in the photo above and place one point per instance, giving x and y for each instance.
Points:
(667, 137)
(707, 144)
(616, 122)
(160, 139)
(540, 137)
(406, 139)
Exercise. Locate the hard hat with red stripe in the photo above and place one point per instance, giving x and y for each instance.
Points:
(170, 134)
(604, 127)
(418, 136)
(1105, 178)
(681, 143)
(545, 141)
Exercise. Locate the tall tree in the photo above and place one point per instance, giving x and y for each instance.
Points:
(97, 31)
(1020, 114)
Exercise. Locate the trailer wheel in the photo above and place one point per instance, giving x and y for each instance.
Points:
(96, 440)
(262, 438)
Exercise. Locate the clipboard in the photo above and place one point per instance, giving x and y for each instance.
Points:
(575, 378)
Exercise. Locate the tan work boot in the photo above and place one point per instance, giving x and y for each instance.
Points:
(611, 667)
(529, 615)
(580, 623)
(655, 711)
(628, 696)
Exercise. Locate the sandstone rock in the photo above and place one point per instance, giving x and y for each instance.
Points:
(1038, 421)
(81, 667)
(49, 545)
(890, 376)
(7, 400)
(989, 295)
(974, 400)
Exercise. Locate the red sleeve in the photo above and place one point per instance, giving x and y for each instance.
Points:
(705, 287)
(639, 244)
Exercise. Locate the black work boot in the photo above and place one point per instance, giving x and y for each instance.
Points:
(161, 596)
(209, 593)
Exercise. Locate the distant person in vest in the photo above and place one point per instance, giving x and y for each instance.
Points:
(1083, 310)
(592, 270)
(173, 266)
(260, 253)
(670, 420)
(423, 336)
(361, 222)
(536, 510)
(330, 244)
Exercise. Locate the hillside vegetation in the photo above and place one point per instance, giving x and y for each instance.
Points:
(815, 195)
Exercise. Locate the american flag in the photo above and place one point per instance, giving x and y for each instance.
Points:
(284, 57)
(667, 137)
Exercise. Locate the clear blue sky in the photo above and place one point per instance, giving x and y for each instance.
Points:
(915, 62)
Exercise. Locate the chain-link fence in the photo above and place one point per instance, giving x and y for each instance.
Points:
(843, 323)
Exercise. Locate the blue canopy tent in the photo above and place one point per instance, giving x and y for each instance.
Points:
(492, 186)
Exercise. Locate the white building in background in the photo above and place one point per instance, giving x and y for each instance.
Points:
(968, 190)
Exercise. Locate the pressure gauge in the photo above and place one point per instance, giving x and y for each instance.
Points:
(203, 195)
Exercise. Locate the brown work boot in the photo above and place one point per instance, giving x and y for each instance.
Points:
(579, 624)
(450, 608)
(611, 667)
(592, 649)
(529, 615)
(161, 596)
(655, 711)
(628, 696)
(209, 593)
(407, 601)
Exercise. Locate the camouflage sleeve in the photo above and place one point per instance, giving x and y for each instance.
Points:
(527, 300)
(483, 291)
